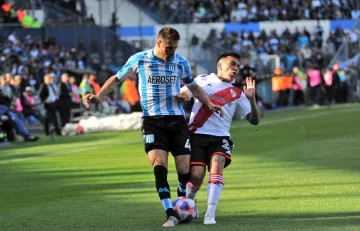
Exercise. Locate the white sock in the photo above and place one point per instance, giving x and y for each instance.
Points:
(191, 190)
(215, 186)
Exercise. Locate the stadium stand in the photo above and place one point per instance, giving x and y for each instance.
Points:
(194, 11)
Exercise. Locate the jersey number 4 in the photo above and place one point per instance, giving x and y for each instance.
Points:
(187, 144)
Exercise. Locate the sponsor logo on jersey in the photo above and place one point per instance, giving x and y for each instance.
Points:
(233, 93)
(219, 98)
(157, 79)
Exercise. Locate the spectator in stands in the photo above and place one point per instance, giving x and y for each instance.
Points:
(339, 84)
(75, 98)
(315, 79)
(93, 83)
(96, 89)
(27, 106)
(6, 88)
(328, 84)
(85, 87)
(130, 93)
(13, 121)
(47, 95)
(298, 83)
(64, 102)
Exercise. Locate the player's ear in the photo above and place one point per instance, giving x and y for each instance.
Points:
(158, 42)
(219, 66)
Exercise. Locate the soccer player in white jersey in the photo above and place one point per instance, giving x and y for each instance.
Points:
(159, 71)
(210, 134)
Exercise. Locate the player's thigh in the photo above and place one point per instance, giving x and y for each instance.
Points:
(178, 136)
(221, 148)
(154, 134)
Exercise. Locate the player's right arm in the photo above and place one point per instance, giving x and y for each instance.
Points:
(128, 69)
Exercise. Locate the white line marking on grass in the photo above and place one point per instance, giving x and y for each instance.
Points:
(69, 151)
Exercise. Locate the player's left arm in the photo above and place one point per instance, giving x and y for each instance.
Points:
(249, 102)
(254, 116)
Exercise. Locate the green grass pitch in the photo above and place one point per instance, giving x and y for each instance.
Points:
(297, 170)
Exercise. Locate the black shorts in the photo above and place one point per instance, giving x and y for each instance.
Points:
(203, 147)
(169, 133)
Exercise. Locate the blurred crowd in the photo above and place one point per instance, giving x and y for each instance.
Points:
(43, 82)
(57, 12)
(314, 86)
(301, 51)
(300, 48)
(16, 14)
(187, 11)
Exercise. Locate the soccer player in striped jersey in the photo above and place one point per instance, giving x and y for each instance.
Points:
(210, 134)
(159, 73)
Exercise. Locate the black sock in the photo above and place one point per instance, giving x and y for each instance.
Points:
(183, 179)
(162, 185)
(163, 189)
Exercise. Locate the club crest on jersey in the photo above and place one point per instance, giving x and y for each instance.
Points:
(149, 138)
(172, 67)
(233, 93)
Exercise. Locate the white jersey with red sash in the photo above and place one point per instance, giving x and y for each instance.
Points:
(232, 100)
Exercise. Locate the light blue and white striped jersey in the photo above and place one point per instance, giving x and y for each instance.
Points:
(159, 81)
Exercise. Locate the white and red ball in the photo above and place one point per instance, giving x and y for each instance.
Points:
(186, 208)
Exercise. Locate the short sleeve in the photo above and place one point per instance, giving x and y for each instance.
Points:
(129, 68)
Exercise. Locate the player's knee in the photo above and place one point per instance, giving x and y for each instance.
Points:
(182, 164)
(197, 175)
(157, 158)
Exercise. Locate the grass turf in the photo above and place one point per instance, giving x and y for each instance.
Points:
(297, 170)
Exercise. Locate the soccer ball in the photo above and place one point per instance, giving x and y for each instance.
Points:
(186, 208)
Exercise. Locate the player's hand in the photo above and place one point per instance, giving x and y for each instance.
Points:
(180, 98)
(91, 98)
(249, 88)
(216, 108)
